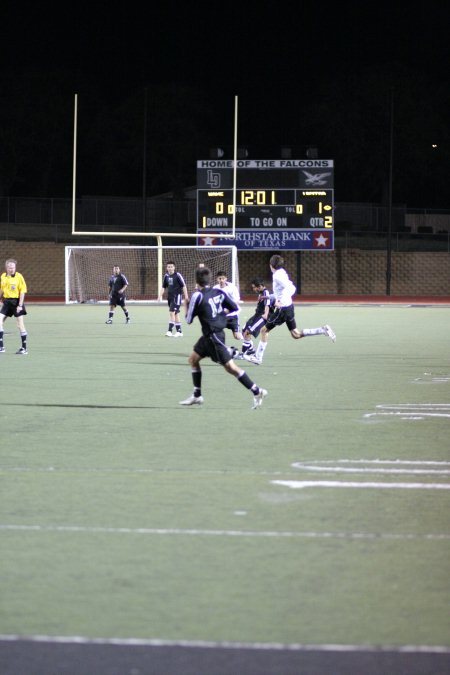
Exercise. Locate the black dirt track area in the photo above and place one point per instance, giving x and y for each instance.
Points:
(30, 657)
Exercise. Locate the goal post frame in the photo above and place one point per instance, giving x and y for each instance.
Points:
(198, 254)
(158, 235)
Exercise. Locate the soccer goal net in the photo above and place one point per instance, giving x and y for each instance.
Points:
(88, 269)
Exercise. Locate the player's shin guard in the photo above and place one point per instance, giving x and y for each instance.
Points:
(245, 380)
(197, 379)
(246, 344)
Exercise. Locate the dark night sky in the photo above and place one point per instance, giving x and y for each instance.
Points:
(239, 47)
(279, 58)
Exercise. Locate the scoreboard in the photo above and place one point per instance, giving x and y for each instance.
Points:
(277, 204)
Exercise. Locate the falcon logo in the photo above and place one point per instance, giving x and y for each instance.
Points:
(316, 178)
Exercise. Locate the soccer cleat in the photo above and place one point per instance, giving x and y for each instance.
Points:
(2, 349)
(329, 333)
(178, 334)
(192, 400)
(127, 320)
(258, 398)
(109, 321)
(169, 333)
(22, 350)
(253, 359)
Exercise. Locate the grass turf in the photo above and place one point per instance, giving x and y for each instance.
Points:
(124, 514)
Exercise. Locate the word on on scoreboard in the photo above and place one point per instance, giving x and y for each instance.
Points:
(274, 203)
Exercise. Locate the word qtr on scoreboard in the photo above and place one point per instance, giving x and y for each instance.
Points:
(270, 196)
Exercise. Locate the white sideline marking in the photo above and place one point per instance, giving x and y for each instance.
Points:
(437, 379)
(299, 484)
(425, 462)
(221, 533)
(334, 466)
(278, 646)
(412, 411)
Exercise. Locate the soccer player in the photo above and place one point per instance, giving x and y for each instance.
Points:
(118, 283)
(232, 291)
(283, 291)
(13, 289)
(211, 305)
(176, 290)
(264, 307)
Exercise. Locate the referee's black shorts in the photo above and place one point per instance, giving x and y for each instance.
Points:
(9, 307)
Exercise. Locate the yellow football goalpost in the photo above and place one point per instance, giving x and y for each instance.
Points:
(158, 235)
(159, 248)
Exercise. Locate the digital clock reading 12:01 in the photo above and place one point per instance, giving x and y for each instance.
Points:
(256, 208)
(288, 203)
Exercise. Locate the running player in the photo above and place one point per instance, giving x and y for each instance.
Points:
(211, 305)
(283, 291)
(264, 307)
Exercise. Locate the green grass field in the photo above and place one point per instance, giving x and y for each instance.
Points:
(320, 518)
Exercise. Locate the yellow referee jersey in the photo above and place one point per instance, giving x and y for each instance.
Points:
(13, 286)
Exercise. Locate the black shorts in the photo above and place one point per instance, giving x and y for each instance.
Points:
(233, 323)
(214, 347)
(9, 307)
(117, 300)
(174, 304)
(280, 316)
(254, 325)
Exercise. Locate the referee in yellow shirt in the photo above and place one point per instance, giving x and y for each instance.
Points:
(13, 289)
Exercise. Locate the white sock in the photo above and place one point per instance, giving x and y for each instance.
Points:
(312, 331)
(260, 350)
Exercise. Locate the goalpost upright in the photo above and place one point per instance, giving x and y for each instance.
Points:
(158, 235)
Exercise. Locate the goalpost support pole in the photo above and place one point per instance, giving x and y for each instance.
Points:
(160, 257)
(233, 220)
(74, 176)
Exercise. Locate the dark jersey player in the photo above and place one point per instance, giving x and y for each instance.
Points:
(176, 291)
(118, 283)
(211, 305)
(264, 307)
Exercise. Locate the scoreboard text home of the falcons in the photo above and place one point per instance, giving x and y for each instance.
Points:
(280, 203)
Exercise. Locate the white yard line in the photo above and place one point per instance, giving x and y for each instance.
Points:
(414, 411)
(269, 534)
(376, 466)
(299, 484)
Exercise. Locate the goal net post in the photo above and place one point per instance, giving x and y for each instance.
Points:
(89, 268)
